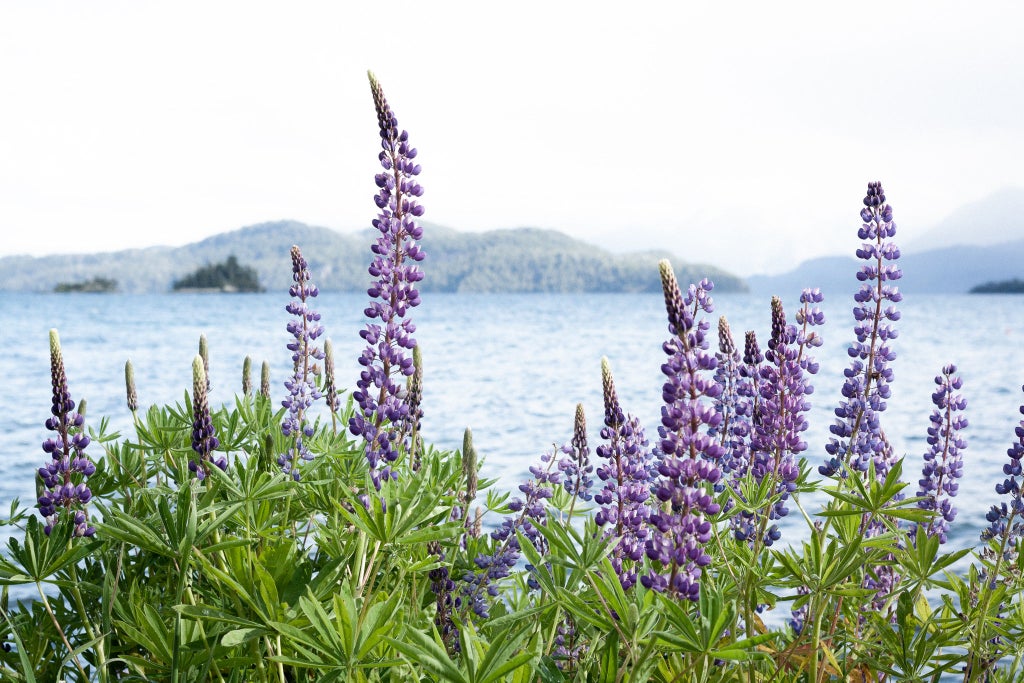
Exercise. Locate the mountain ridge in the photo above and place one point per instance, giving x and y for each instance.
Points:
(506, 260)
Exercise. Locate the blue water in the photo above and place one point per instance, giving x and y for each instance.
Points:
(511, 367)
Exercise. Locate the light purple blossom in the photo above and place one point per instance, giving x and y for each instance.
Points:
(943, 462)
(383, 408)
(859, 438)
(302, 389)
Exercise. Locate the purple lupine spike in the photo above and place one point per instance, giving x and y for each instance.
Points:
(859, 438)
(734, 430)
(776, 440)
(204, 442)
(443, 589)
(689, 455)
(626, 473)
(383, 411)
(529, 512)
(575, 466)
(305, 329)
(64, 476)
(943, 462)
(1006, 520)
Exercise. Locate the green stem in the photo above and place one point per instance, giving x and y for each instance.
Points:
(60, 631)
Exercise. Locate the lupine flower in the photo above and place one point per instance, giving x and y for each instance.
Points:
(302, 390)
(383, 403)
(734, 430)
(472, 482)
(247, 376)
(129, 385)
(943, 462)
(529, 513)
(330, 382)
(569, 649)
(784, 386)
(625, 473)
(1006, 520)
(64, 476)
(204, 443)
(859, 436)
(689, 456)
(576, 467)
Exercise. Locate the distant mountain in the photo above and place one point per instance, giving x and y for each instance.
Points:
(519, 260)
(937, 271)
(995, 219)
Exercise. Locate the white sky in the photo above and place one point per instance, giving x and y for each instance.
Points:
(741, 134)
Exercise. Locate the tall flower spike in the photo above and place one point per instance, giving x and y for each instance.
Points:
(204, 443)
(1006, 521)
(414, 389)
(331, 385)
(383, 415)
(625, 475)
(859, 438)
(204, 353)
(575, 466)
(689, 455)
(943, 462)
(471, 477)
(302, 390)
(64, 476)
(733, 432)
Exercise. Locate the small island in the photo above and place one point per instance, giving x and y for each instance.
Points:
(1014, 286)
(97, 285)
(229, 276)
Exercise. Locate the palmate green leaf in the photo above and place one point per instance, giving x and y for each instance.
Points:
(26, 665)
(38, 557)
(429, 653)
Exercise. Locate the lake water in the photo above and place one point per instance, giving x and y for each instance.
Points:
(511, 367)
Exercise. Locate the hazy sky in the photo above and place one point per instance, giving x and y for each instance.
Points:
(741, 134)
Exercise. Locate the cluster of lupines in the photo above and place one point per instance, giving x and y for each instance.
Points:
(305, 329)
(688, 455)
(784, 387)
(625, 473)
(858, 431)
(1006, 520)
(64, 476)
(943, 462)
(383, 411)
(204, 442)
(527, 514)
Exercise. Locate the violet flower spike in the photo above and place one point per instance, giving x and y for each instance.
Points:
(204, 442)
(625, 472)
(383, 410)
(575, 467)
(689, 455)
(733, 404)
(859, 438)
(943, 462)
(302, 389)
(1006, 520)
(64, 476)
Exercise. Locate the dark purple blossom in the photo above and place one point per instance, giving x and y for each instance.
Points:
(204, 442)
(383, 409)
(575, 466)
(443, 588)
(305, 329)
(64, 476)
(859, 438)
(689, 455)
(943, 462)
(625, 473)
(733, 432)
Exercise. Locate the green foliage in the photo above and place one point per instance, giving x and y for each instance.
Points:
(229, 276)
